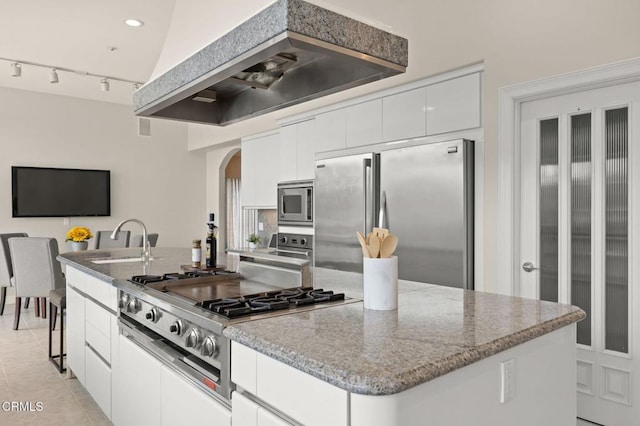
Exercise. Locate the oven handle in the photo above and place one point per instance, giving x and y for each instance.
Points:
(151, 345)
(305, 253)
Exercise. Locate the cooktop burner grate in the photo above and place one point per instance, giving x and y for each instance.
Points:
(269, 301)
(147, 279)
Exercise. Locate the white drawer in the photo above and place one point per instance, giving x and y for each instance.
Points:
(98, 381)
(101, 291)
(98, 341)
(243, 367)
(99, 317)
(298, 394)
(75, 278)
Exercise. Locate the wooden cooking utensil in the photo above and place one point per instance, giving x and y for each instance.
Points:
(381, 233)
(363, 243)
(374, 246)
(389, 245)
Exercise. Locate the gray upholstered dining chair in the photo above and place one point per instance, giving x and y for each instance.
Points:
(136, 240)
(103, 240)
(6, 270)
(35, 269)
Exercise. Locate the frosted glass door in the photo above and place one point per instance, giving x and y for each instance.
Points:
(577, 163)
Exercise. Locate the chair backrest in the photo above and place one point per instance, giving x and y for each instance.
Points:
(36, 270)
(6, 270)
(103, 239)
(136, 240)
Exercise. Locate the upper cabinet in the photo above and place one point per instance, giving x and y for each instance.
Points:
(453, 105)
(364, 123)
(298, 151)
(403, 115)
(331, 130)
(260, 171)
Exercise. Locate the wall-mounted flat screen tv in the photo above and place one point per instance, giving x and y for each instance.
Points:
(53, 192)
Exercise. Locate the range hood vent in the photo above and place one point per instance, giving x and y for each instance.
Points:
(290, 52)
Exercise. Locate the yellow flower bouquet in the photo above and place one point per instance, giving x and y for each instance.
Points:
(79, 233)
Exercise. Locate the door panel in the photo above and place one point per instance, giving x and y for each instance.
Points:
(579, 165)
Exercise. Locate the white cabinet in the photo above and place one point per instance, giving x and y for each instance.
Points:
(260, 170)
(298, 151)
(454, 104)
(331, 130)
(91, 322)
(244, 411)
(403, 115)
(267, 418)
(289, 153)
(364, 123)
(184, 404)
(75, 332)
(98, 380)
(290, 391)
(137, 395)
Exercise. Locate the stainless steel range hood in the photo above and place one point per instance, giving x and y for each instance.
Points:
(290, 52)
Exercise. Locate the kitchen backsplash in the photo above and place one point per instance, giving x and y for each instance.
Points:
(269, 219)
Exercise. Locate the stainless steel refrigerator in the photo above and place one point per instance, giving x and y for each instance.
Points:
(422, 193)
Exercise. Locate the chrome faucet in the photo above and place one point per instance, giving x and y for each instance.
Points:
(146, 248)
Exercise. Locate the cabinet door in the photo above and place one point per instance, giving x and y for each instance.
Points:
(75, 333)
(403, 115)
(136, 400)
(183, 403)
(331, 131)
(306, 149)
(454, 105)
(98, 380)
(364, 123)
(245, 411)
(260, 166)
(267, 418)
(289, 153)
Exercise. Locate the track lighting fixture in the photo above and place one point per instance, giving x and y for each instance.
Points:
(105, 80)
(53, 76)
(16, 69)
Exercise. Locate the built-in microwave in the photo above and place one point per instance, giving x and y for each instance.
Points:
(295, 203)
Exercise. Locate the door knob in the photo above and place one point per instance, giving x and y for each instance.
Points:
(528, 267)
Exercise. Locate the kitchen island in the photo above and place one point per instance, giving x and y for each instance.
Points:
(437, 360)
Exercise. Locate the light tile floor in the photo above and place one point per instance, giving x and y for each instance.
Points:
(28, 376)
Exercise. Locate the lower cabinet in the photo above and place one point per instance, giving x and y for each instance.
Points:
(137, 386)
(184, 404)
(274, 384)
(75, 333)
(146, 392)
(98, 379)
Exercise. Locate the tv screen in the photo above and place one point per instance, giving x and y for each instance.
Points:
(51, 192)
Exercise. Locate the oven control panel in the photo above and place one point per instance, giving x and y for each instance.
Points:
(196, 340)
(295, 241)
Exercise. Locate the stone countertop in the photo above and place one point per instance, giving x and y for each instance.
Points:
(435, 330)
(165, 260)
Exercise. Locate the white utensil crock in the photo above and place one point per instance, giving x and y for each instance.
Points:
(380, 283)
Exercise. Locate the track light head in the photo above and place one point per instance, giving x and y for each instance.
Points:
(104, 85)
(16, 69)
(53, 76)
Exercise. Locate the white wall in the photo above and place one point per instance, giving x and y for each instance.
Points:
(518, 40)
(154, 179)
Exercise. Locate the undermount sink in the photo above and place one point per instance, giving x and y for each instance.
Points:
(121, 259)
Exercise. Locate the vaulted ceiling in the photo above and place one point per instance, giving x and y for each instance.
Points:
(88, 36)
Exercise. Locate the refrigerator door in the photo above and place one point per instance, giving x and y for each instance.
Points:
(344, 203)
(427, 201)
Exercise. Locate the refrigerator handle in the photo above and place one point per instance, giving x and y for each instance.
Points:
(368, 195)
(383, 211)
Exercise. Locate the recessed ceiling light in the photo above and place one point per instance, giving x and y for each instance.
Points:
(134, 22)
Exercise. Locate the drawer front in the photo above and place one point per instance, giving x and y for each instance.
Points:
(99, 317)
(243, 367)
(98, 341)
(75, 278)
(280, 386)
(101, 291)
(98, 381)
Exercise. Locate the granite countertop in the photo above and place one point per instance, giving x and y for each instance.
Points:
(435, 330)
(165, 260)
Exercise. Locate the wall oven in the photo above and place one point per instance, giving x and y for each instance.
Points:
(295, 203)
